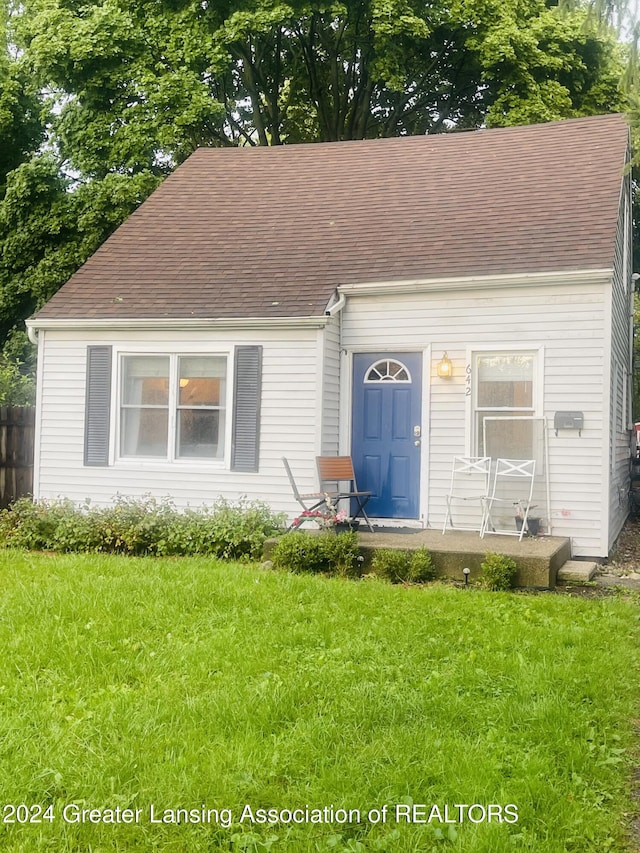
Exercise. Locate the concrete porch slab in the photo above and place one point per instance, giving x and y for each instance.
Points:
(538, 558)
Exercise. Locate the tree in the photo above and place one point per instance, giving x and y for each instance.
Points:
(47, 232)
(16, 387)
(140, 86)
(558, 67)
(134, 86)
(21, 127)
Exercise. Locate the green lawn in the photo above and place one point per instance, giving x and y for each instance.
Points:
(131, 684)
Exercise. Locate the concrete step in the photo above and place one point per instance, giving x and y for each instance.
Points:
(579, 571)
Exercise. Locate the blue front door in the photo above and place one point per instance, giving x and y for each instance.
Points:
(386, 431)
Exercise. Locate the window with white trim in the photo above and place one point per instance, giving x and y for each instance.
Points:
(505, 389)
(173, 406)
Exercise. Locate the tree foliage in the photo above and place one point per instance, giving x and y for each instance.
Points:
(47, 232)
(16, 387)
(21, 127)
(140, 86)
(129, 88)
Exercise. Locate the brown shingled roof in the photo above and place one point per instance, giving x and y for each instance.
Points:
(271, 232)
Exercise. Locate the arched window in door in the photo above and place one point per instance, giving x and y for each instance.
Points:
(387, 370)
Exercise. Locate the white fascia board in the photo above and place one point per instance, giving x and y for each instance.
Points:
(516, 280)
(174, 323)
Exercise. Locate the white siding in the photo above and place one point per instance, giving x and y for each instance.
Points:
(305, 400)
(331, 388)
(564, 323)
(290, 415)
(621, 330)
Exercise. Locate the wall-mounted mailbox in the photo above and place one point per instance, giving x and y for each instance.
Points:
(568, 420)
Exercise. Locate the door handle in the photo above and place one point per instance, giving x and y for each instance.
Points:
(417, 443)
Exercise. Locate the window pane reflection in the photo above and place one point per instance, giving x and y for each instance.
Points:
(200, 434)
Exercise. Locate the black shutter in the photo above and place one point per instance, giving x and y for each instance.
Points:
(97, 406)
(247, 386)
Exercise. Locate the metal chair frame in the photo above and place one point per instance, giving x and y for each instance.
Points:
(520, 471)
(476, 471)
(310, 501)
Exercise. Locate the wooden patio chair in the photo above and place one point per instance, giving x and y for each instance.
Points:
(310, 501)
(339, 469)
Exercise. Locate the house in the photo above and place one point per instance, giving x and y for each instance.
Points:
(303, 300)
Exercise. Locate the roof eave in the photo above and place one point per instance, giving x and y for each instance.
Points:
(375, 288)
(508, 280)
(172, 323)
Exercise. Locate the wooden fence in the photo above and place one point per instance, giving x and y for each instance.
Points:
(16, 452)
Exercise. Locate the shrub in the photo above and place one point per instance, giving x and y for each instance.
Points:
(239, 530)
(298, 551)
(26, 524)
(498, 572)
(134, 526)
(141, 526)
(75, 530)
(343, 554)
(17, 388)
(421, 567)
(389, 564)
(400, 566)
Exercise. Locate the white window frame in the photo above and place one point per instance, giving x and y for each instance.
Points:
(473, 354)
(172, 459)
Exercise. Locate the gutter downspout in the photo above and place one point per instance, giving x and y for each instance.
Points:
(337, 306)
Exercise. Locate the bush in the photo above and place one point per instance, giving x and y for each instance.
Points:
(16, 387)
(498, 572)
(421, 567)
(134, 526)
(74, 530)
(298, 551)
(238, 531)
(141, 526)
(30, 525)
(400, 566)
(343, 554)
(391, 565)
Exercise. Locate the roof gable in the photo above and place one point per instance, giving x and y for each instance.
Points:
(271, 232)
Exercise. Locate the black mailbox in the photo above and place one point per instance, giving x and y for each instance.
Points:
(568, 420)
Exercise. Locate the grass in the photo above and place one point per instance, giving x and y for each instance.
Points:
(126, 683)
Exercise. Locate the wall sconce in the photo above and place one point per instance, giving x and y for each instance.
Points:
(445, 367)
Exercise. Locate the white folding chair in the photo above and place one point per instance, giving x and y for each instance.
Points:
(512, 485)
(469, 485)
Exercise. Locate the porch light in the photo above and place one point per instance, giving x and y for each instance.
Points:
(445, 368)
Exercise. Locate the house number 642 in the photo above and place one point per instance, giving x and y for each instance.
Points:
(467, 389)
